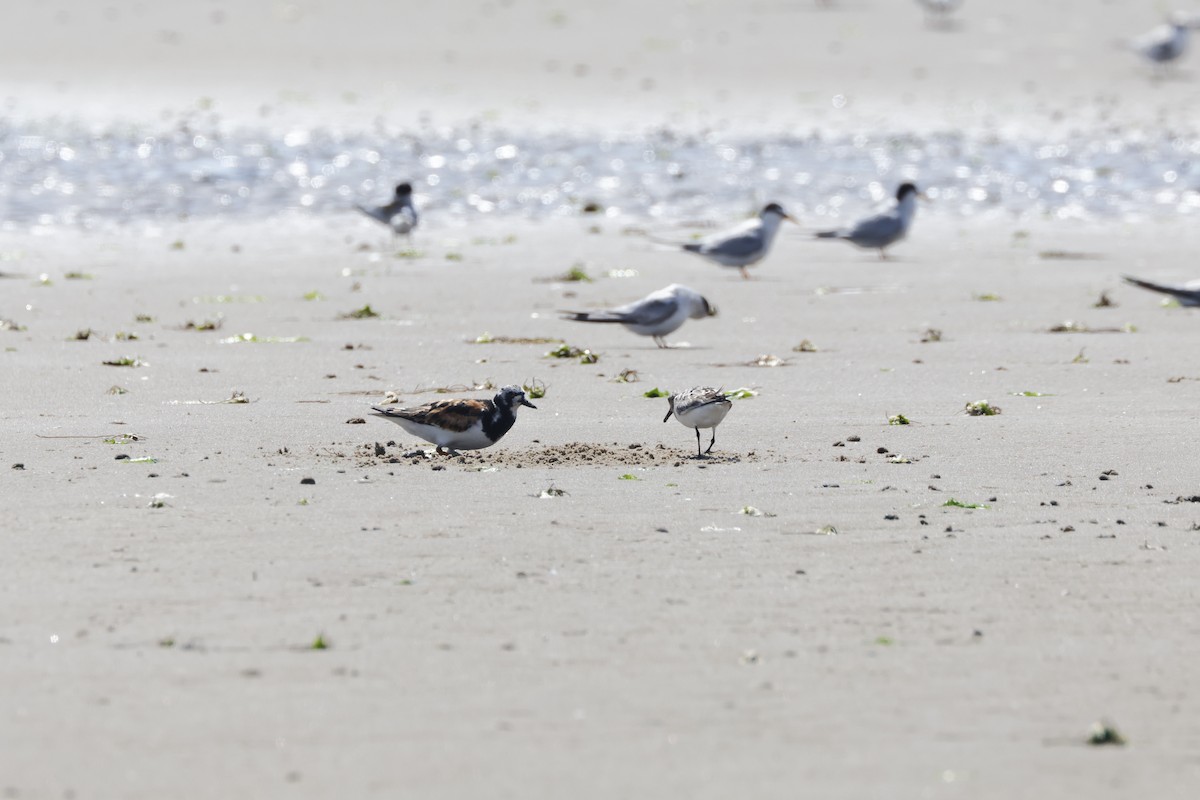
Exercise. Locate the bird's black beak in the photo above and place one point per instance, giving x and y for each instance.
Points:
(525, 402)
(671, 410)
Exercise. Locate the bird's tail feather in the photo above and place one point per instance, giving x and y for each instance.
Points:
(1154, 287)
(589, 316)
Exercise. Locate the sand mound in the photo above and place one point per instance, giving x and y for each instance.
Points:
(573, 454)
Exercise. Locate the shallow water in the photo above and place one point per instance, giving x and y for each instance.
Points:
(57, 173)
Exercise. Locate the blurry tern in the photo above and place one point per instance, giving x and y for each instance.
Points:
(1166, 43)
(656, 314)
(937, 12)
(882, 230)
(1188, 294)
(745, 244)
(400, 215)
(698, 408)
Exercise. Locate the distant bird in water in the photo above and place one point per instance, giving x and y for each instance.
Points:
(1166, 43)
(1188, 294)
(937, 12)
(882, 230)
(744, 245)
(400, 214)
(701, 407)
(656, 314)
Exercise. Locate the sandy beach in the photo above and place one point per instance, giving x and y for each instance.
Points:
(224, 578)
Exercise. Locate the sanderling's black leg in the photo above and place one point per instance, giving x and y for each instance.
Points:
(711, 442)
(698, 451)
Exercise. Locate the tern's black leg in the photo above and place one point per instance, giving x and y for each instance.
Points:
(711, 442)
(698, 453)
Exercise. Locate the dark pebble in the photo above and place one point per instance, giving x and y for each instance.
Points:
(308, 481)
(121, 457)
(18, 466)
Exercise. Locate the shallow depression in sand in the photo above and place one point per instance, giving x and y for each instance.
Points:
(573, 454)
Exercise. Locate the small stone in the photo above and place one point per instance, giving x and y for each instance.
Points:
(379, 449)
(121, 457)
(308, 481)
(18, 466)
(356, 421)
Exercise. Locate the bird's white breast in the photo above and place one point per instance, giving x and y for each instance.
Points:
(703, 416)
(472, 438)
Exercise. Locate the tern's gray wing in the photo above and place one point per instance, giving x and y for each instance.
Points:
(647, 312)
(1187, 294)
(738, 246)
(880, 229)
(374, 213)
(642, 312)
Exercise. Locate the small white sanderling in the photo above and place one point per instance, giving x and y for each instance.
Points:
(701, 407)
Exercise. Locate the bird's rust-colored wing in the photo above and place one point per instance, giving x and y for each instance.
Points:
(451, 415)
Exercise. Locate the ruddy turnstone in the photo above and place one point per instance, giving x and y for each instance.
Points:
(745, 244)
(455, 425)
(400, 214)
(880, 231)
(701, 407)
(656, 314)
(1188, 294)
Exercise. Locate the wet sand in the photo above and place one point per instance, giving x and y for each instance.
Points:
(637, 634)
(792, 65)
(208, 598)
